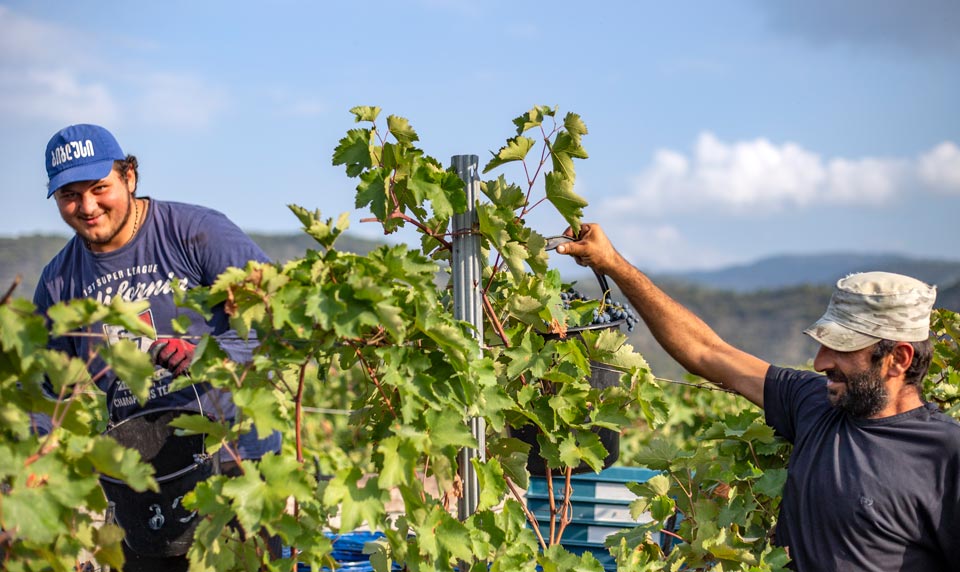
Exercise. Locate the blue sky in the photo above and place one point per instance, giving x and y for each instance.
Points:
(720, 132)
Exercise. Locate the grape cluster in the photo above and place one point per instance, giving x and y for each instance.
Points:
(609, 311)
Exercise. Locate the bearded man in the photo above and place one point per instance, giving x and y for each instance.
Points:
(874, 477)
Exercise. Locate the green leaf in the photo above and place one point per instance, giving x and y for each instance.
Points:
(662, 507)
(560, 193)
(449, 429)
(20, 329)
(530, 356)
(109, 541)
(32, 514)
(512, 454)
(365, 113)
(357, 504)
(574, 125)
(503, 195)
(400, 458)
(400, 128)
(372, 192)
(516, 149)
(659, 455)
(771, 483)
(532, 118)
(113, 460)
(262, 405)
(132, 366)
(249, 495)
(492, 485)
(354, 151)
(66, 371)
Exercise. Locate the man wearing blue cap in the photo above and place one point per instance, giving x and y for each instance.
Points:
(140, 248)
(873, 481)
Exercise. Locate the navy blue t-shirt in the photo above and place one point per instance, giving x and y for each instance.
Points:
(864, 494)
(178, 247)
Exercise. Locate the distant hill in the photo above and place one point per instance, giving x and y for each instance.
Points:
(795, 270)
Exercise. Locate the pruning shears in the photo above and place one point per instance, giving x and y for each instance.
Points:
(554, 241)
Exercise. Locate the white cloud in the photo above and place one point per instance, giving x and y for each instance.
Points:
(34, 82)
(51, 72)
(761, 177)
(663, 247)
(54, 94)
(940, 168)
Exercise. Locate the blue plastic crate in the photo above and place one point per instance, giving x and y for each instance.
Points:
(609, 485)
(586, 510)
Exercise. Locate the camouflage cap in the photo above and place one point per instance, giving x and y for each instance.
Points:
(871, 306)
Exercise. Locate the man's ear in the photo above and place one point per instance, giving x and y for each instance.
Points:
(132, 181)
(900, 359)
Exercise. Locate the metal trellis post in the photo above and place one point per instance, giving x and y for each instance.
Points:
(467, 306)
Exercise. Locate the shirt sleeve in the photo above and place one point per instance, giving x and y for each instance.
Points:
(791, 398)
(220, 244)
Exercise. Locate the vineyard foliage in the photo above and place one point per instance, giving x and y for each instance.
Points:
(375, 335)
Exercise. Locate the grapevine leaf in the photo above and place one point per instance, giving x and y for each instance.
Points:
(516, 149)
(354, 151)
(453, 537)
(514, 254)
(65, 371)
(286, 477)
(248, 494)
(109, 541)
(448, 429)
(262, 406)
(20, 329)
(530, 119)
(591, 450)
(503, 195)
(365, 113)
(325, 232)
(111, 459)
(492, 485)
(662, 507)
(659, 455)
(513, 454)
(357, 504)
(372, 193)
(132, 366)
(574, 125)
(570, 205)
(216, 431)
(400, 128)
(536, 255)
(493, 226)
(31, 513)
(529, 356)
(771, 483)
(400, 458)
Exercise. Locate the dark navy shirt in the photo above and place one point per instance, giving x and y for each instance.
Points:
(179, 246)
(864, 494)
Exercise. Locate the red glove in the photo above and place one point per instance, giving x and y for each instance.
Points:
(174, 355)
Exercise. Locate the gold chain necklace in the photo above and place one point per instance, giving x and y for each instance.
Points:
(136, 220)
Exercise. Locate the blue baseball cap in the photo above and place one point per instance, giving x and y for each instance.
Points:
(81, 152)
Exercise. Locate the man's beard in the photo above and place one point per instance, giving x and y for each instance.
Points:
(864, 394)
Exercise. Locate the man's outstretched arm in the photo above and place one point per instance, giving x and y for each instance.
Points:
(678, 330)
